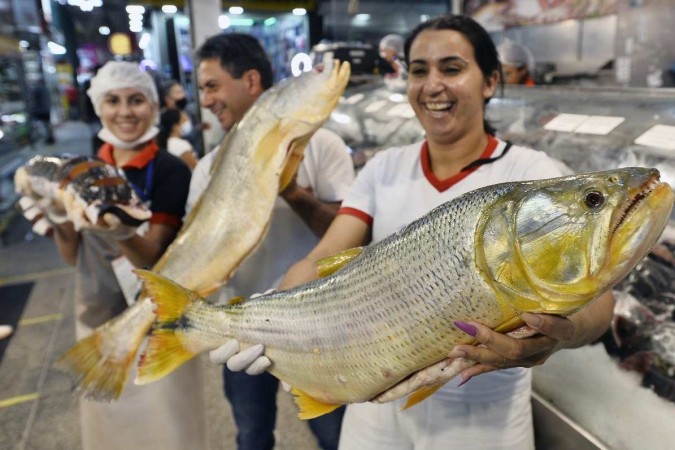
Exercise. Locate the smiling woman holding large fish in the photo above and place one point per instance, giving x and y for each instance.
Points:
(453, 72)
(98, 202)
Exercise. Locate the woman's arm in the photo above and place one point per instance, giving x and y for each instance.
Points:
(67, 241)
(344, 233)
(145, 251)
(499, 351)
(190, 159)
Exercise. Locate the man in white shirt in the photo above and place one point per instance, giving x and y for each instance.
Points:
(233, 72)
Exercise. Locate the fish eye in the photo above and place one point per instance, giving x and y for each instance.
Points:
(594, 199)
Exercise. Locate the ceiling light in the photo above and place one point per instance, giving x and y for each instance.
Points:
(56, 49)
(144, 41)
(136, 17)
(270, 21)
(104, 30)
(224, 22)
(236, 10)
(169, 9)
(299, 11)
(135, 9)
(24, 44)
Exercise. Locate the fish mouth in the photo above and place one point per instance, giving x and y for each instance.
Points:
(632, 203)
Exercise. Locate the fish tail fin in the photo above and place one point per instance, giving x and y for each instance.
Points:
(165, 349)
(101, 362)
(311, 408)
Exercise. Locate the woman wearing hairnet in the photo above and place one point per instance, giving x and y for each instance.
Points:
(167, 415)
(517, 62)
(391, 49)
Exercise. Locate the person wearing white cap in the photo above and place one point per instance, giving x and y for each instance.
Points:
(517, 63)
(168, 414)
(391, 49)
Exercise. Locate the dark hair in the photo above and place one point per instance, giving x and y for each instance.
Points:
(164, 91)
(483, 47)
(237, 53)
(167, 120)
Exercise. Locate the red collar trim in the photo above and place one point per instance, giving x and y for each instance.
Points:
(144, 156)
(443, 185)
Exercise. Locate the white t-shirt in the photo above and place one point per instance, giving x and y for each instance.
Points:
(397, 187)
(177, 146)
(327, 170)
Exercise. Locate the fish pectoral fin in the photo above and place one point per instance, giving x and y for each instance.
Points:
(421, 394)
(294, 156)
(327, 266)
(311, 408)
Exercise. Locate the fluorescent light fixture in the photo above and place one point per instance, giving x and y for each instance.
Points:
(104, 31)
(300, 63)
(242, 22)
(340, 118)
(144, 41)
(270, 21)
(396, 98)
(136, 16)
(424, 18)
(224, 22)
(135, 28)
(56, 49)
(169, 9)
(136, 23)
(24, 44)
(362, 17)
(135, 9)
(299, 11)
(236, 10)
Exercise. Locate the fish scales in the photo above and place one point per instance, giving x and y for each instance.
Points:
(388, 312)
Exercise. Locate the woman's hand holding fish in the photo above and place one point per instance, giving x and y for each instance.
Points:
(499, 351)
(86, 217)
(42, 213)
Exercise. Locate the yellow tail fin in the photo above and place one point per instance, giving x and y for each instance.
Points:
(164, 351)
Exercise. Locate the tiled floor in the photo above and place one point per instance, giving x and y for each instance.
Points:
(38, 410)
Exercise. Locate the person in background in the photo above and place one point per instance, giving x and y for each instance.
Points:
(517, 63)
(168, 414)
(174, 97)
(172, 125)
(234, 71)
(391, 49)
(454, 71)
(40, 109)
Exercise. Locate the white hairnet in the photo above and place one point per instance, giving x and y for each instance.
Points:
(515, 54)
(394, 42)
(120, 75)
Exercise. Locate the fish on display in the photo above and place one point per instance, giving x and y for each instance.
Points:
(95, 187)
(380, 319)
(257, 159)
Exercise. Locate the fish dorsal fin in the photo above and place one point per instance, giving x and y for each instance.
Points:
(236, 300)
(327, 266)
(421, 394)
(311, 408)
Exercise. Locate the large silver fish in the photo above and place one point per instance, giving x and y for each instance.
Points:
(257, 160)
(386, 316)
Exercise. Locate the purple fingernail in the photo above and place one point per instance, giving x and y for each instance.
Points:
(466, 327)
(464, 381)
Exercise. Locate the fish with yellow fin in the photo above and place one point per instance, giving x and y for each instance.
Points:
(383, 314)
(257, 159)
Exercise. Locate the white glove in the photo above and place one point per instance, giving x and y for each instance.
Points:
(250, 360)
(42, 214)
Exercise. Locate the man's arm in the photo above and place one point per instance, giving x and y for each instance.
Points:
(317, 214)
